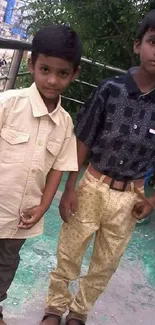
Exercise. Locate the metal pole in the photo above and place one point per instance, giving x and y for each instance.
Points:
(3, 78)
(73, 100)
(18, 45)
(105, 66)
(14, 67)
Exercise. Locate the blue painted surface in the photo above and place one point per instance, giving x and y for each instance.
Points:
(9, 11)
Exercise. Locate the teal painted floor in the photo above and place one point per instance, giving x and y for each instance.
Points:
(129, 298)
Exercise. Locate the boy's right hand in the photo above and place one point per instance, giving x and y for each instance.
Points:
(68, 204)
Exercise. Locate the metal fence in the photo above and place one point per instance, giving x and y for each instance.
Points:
(20, 47)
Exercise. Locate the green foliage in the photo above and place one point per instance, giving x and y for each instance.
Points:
(107, 29)
(24, 80)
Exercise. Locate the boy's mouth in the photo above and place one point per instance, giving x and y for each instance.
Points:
(52, 91)
(152, 62)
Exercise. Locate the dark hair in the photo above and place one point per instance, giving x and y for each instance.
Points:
(59, 41)
(147, 22)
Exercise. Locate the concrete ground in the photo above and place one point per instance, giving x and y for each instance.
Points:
(128, 300)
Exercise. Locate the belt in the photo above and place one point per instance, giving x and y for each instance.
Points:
(121, 186)
(114, 184)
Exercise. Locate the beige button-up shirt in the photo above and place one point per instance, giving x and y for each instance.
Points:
(32, 142)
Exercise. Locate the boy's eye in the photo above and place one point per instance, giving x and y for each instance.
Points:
(63, 74)
(45, 69)
(152, 42)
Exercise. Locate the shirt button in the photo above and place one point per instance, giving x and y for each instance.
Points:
(135, 126)
(40, 143)
(26, 193)
(33, 171)
(121, 162)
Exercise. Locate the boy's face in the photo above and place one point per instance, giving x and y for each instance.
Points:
(52, 75)
(146, 50)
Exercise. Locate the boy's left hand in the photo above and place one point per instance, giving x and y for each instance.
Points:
(30, 217)
(142, 210)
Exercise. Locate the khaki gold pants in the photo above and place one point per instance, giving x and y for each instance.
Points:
(108, 214)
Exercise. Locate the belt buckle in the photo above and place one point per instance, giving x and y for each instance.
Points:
(125, 183)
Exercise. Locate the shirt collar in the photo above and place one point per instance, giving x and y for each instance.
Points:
(132, 87)
(39, 109)
(130, 83)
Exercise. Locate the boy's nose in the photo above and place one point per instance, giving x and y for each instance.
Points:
(52, 80)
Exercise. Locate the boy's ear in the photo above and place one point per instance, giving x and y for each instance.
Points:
(76, 73)
(30, 66)
(136, 46)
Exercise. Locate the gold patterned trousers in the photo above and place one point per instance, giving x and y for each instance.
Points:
(102, 211)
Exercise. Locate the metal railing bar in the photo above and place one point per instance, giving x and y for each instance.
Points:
(73, 100)
(18, 45)
(86, 83)
(14, 68)
(67, 98)
(14, 45)
(22, 74)
(3, 78)
(105, 66)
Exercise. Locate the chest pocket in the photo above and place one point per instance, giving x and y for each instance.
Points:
(53, 148)
(13, 146)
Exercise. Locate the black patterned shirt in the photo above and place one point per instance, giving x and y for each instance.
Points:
(118, 124)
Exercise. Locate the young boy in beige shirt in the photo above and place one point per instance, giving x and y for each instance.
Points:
(37, 144)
